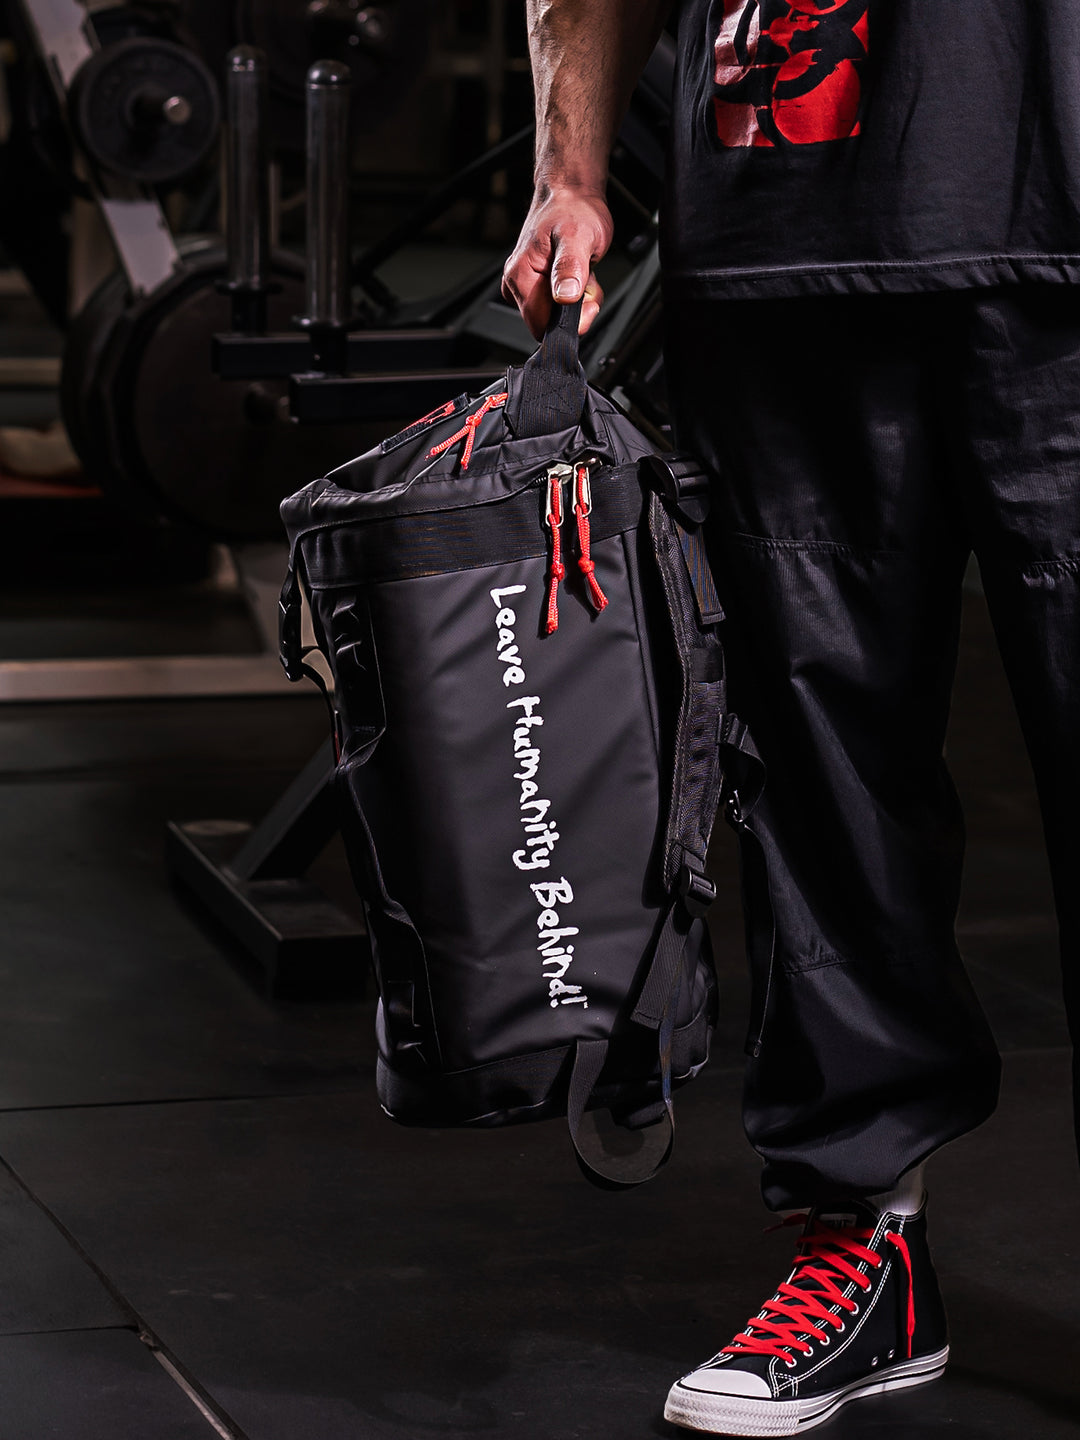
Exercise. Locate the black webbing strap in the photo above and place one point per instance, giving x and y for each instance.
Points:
(548, 393)
(400, 547)
(665, 971)
(699, 570)
(684, 483)
(290, 617)
(744, 780)
(617, 1172)
(293, 653)
(401, 966)
(708, 744)
(744, 773)
(760, 931)
(696, 773)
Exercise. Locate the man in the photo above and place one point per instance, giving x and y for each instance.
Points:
(871, 242)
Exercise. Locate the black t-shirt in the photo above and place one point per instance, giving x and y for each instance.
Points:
(860, 145)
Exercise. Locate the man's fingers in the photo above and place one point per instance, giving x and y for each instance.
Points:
(592, 300)
(530, 290)
(536, 312)
(553, 262)
(532, 293)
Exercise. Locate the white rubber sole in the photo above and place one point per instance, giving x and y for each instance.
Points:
(738, 1415)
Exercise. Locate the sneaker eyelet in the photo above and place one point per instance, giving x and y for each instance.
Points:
(841, 1327)
(790, 1362)
(854, 1310)
(825, 1341)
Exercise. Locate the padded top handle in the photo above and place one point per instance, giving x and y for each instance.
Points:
(550, 392)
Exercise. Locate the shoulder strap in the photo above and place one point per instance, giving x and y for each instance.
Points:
(547, 393)
(696, 773)
(711, 748)
(707, 742)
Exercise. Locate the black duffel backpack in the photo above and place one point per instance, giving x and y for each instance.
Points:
(516, 606)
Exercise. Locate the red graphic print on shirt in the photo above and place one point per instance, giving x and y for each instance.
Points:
(787, 71)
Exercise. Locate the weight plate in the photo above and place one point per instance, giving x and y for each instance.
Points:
(162, 431)
(87, 338)
(145, 108)
(89, 333)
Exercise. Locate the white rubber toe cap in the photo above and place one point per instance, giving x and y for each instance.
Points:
(727, 1380)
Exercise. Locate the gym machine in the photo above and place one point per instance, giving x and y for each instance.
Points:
(136, 113)
(336, 372)
(144, 410)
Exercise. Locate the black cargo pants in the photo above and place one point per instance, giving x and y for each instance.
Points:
(863, 445)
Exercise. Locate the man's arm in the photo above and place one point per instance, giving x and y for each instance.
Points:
(586, 57)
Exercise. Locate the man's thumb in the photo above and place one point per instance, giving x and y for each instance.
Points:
(567, 288)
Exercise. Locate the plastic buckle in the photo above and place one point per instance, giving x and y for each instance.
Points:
(683, 484)
(696, 890)
(730, 730)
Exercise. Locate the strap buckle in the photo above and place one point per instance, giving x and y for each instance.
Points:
(682, 482)
(744, 774)
(695, 889)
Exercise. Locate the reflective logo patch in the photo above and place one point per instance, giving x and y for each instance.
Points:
(787, 72)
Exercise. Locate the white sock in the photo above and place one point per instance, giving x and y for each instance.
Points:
(907, 1198)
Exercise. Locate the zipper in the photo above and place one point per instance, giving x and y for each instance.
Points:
(582, 511)
(417, 427)
(555, 477)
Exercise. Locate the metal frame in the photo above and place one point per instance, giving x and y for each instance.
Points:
(251, 879)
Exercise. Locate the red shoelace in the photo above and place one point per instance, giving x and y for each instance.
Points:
(827, 1260)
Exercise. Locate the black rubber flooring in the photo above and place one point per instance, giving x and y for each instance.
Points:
(207, 1226)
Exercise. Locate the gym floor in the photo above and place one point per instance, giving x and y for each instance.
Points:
(208, 1227)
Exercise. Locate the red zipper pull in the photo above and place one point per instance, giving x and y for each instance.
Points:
(468, 430)
(441, 412)
(582, 509)
(471, 425)
(553, 519)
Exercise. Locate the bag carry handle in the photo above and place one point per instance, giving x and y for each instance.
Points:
(548, 393)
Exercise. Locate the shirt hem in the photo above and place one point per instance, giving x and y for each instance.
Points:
(874, 277)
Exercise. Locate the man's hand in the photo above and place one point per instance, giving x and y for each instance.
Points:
(565, 232)
(586, 56)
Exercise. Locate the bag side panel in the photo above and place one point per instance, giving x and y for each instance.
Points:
(515, 800)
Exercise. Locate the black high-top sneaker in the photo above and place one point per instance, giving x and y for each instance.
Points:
(860, 1313)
